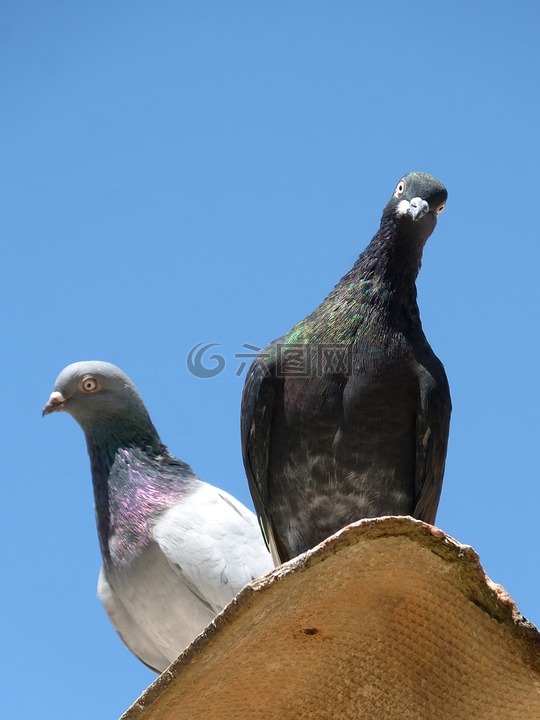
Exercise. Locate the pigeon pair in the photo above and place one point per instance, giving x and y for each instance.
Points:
(344, 417)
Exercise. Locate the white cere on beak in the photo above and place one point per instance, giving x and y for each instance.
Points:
(56, 398)
(55, 402)
(403, 207)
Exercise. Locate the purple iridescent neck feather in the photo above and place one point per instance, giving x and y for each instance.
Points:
(134, 478)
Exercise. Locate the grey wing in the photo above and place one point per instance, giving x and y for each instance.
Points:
(130, 632)
(258, 399)
(433, 425)
(214, 548)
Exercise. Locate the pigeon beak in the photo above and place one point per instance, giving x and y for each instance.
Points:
(418, 208)
(55, 402)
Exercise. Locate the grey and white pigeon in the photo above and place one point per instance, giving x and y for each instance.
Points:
(347, 415)
(175, 549)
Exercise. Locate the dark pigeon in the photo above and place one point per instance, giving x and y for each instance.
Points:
(175, 549)
(347, 415)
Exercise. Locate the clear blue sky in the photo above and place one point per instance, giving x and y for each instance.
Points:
(184, 172)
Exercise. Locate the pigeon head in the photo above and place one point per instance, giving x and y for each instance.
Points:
(417, 201)
(97, 394)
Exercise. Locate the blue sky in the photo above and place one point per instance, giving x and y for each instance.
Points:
(176, 173)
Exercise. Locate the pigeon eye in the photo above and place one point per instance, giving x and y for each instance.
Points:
(439, 210)
(89, 384)
(400, 188)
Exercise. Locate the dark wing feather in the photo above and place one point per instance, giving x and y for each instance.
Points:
(256, 427)
(433, 425)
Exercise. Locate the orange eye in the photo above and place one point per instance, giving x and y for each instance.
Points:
(400, 188)
(439, 210)
(89, 384)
